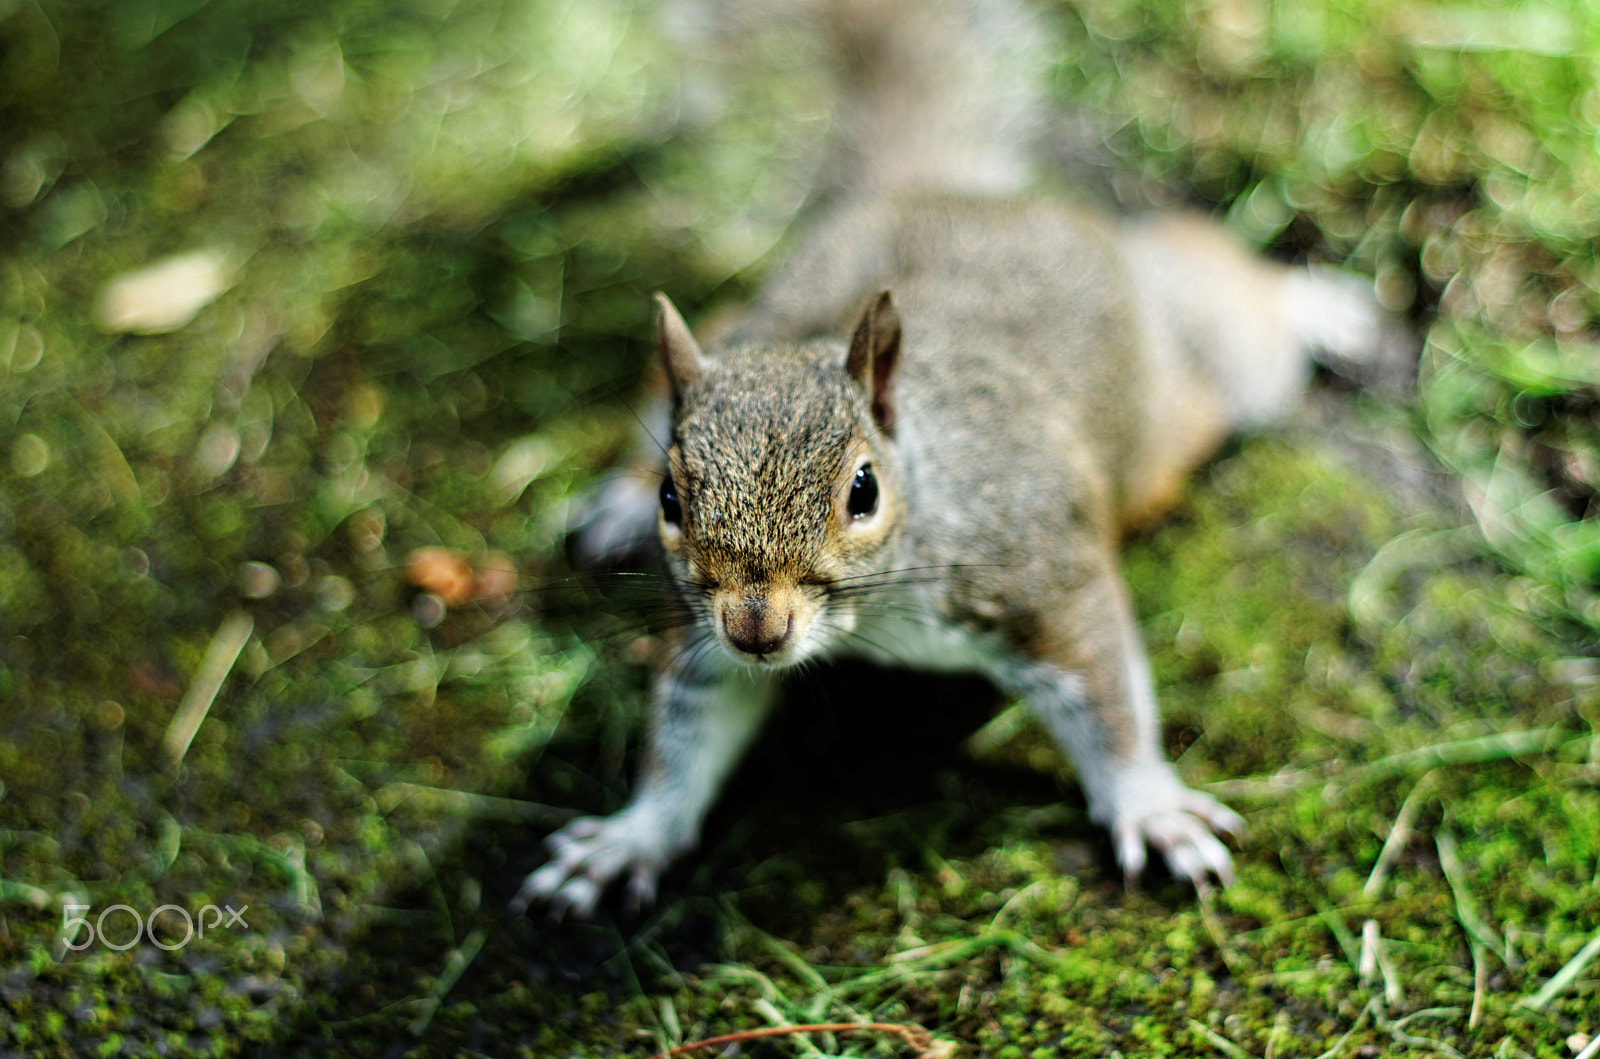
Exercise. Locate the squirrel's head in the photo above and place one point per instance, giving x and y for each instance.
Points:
(780, 487)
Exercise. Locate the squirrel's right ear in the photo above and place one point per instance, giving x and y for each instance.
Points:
(675, 345)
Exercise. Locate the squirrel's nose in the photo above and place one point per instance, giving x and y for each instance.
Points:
(756, 628)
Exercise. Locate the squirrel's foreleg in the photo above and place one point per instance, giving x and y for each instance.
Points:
(705, 717)
(1090, 685)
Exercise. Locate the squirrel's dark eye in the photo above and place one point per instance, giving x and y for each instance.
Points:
(863, 493)
(671, 507)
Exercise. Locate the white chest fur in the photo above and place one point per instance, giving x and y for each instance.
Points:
(913, 635)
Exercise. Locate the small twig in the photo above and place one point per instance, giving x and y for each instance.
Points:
(915, 1036)
(777, 1019)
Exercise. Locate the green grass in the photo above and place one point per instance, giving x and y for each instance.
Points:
(1373, 631)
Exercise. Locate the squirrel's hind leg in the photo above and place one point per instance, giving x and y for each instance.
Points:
(1093, 692)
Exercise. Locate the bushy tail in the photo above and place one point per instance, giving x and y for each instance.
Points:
(943, 95)
(1337, 319)
(1248, 328)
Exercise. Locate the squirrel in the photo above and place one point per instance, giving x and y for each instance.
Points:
(922, 445)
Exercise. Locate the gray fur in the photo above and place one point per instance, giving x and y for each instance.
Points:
(1057, 375)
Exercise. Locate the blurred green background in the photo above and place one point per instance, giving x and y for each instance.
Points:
(289, 291)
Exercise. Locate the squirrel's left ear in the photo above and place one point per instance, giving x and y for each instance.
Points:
(874, 351)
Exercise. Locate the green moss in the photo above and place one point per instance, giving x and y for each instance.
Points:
(418, 297)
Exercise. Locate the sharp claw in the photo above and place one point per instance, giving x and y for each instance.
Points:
(1130, 851)
(1217, 861)
(539, 885)
(1220, 818)
(1186, 832)
(1186, 863)
(579, 896)
(585, 856)
(641, 889)
(575, 832)
(524, 897)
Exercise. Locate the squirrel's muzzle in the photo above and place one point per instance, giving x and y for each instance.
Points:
(757, 624)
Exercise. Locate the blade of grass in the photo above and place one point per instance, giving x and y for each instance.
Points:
(1476, 926)
(1375, 962)
(1355, 1027)
(228, 641)
(1563, 979)
(1399, 835)
(467, 803)
(1337, 777)
(1396, 1030)
(1218, 1041)
(455, 964)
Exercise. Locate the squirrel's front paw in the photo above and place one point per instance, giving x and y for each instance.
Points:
(1160, 812)
(587, 854)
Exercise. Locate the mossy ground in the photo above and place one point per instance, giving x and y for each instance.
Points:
(1373, 629)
